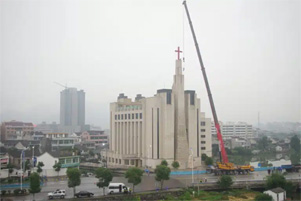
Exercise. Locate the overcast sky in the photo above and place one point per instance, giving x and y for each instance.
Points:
(250, 48)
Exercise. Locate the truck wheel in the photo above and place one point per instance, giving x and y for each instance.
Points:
(50, 197)
(62, 197)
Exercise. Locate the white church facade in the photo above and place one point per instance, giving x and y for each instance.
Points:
(168, 126)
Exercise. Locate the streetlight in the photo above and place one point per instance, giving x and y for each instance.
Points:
(103, 144)
(32, 158)
(21, 162)
(192, 165)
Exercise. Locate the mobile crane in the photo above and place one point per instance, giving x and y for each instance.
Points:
(222, 167)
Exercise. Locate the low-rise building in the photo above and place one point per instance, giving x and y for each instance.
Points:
(98, 137)
(58, 143)
(278, 194)
(231, 129)
(278, 149)
(15, 130)
(50, 159)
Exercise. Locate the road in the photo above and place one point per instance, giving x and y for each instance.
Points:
(148, 183)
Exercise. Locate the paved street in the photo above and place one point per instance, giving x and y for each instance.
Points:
(148, 183)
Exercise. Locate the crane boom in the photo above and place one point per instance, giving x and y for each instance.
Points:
(224, 156)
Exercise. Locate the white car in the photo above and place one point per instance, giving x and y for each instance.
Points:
(57, 194)
(117, 188)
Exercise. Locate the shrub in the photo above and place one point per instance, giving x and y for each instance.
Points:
(225, 181)
(3, 192)
(17, 191)
(263, 197)
(185, 196)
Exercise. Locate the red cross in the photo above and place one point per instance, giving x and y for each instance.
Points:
(179, 52)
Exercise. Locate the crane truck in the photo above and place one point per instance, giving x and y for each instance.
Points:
(222, 167)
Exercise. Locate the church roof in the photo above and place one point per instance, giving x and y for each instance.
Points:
(164, 90)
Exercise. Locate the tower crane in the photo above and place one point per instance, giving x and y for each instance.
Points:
(223, 167)
(65, 86)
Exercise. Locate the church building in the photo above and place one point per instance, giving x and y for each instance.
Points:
(168, 126)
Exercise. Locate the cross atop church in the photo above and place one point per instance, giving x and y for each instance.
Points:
(179, 52)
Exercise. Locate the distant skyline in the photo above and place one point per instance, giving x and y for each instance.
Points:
(251, 51)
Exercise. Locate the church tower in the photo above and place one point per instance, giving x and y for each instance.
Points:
(181, 152)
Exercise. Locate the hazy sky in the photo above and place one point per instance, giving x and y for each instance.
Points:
(250, 48)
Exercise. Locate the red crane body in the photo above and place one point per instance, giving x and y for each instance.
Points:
(224, 157)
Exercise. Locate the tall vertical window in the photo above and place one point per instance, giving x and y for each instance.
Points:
(140, 115)
(192, 99)
(168, 97)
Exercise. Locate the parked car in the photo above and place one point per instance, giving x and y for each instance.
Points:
(117, 188)
(83, 194)
(59, 193)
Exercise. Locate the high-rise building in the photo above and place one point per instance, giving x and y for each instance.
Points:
(72, 110)
(168, 126)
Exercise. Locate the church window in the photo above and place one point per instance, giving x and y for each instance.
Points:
(125, 116)
(168, 98)
(136, 115)
(192, 99)
(203, 130)
(133, 116)
(203, 148)
(122, 116)
(140, 115)
(203, 123)
(129, 115)
(115, 116)
(203, 142)
(119, 117)
(203, 136)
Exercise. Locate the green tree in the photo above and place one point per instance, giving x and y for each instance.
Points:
(73, 175)
(263, 143)
(263, 197)
(91, 153)
(34, 184)
(209, 161)
(40, 165)
(104, 176)
(162, 173)
(175, 165)
(27, 165)
(295, 157)
(275, 180)
(134, 176)
(225, 181)
(57, 167)
(295, 144)
(290, 188)
(10, 169)
(204, 156)
(164, 162)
